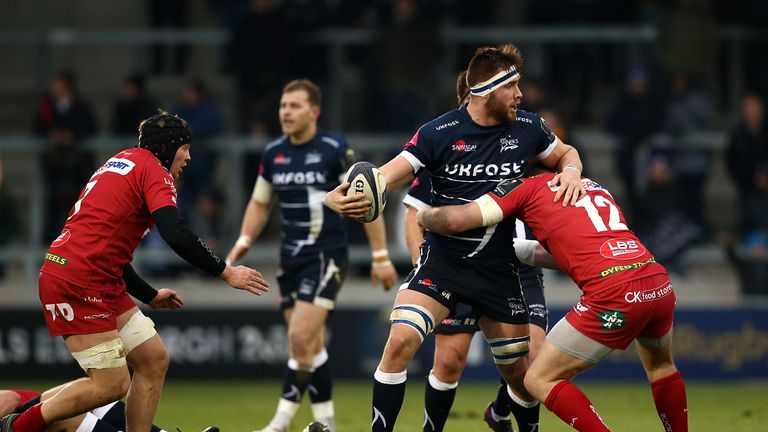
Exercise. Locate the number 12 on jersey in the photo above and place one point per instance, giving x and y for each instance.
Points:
(614, 221)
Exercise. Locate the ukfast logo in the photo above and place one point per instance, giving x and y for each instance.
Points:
(474, 170)
(299, 178)
(508, 143)
(118, 165)
(447, 125)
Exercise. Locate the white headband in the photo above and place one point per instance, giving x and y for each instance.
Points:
(494, 82)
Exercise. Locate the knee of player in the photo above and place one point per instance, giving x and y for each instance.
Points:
(401, 343)
(449, 365)
(299, 340)
(114, 387)
(160, 359)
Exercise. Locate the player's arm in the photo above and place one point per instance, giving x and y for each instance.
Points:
(382, 269)
(9, 401)
(451, 219)
(194, 250)
(156, 299)
(531, 252)
(566, 161)
(254, 220)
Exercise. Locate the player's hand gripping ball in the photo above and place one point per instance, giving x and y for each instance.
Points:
(364, 178)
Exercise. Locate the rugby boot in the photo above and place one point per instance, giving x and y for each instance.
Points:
(211, 429)
(5, 422)
(316, 427)
(497, 425)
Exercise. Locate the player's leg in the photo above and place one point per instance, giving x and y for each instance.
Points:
(667, 383)
(149, 358)
(451, 349)
(334, 269)
(524, 413)
(565, 353)
(510, 345)
(102, 356)
(498, 411)
(655, 350)
(413, 317)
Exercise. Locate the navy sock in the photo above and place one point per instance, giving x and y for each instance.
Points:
(438, 400)
(320, 386)
(388, 395)
(527, 417)
(501, 406)
(295, 382)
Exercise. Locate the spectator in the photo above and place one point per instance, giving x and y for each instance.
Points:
(9, 221)
(204, 119)
(748, 147)
(132, 106)
(168, 15)
(64, 119)
(690, 110)
(402, 54)
(259, 52)
(211, 206)
(662, 223)
(635, 116)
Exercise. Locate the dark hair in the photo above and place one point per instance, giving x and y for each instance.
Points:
(68, 77)
(163, 134)
(488, 61)
(462, 88)
(313, 91)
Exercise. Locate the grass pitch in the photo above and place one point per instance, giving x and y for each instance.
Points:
(242, 406)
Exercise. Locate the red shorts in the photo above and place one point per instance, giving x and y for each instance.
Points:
(640, 308)
(70, 309)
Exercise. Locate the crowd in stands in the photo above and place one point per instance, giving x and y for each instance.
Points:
(673, 89)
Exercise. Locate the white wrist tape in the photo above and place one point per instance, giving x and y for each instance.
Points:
(571, 166)
(526, 250)
(244, 241)
(380, 264)
(380, 253)
(492, 213)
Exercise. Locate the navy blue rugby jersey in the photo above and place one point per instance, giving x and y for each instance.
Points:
(419, 197)
(301, 175)
(465, 160)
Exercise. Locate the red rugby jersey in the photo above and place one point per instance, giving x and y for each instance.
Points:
(111, 216)
(590, 241)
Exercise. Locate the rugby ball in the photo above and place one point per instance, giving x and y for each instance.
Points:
(364, 178)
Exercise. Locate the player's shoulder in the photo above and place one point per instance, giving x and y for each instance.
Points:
(443, 125)
(276, 144)
(527, 119)
(334, 140)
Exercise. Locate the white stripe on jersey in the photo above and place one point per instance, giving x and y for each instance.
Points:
(454, 198)
(550, 149)
(330, 141)
(413, 160)
(411, 201)
(294, 205)
(316, 201)
(486, 238)
(498, 180)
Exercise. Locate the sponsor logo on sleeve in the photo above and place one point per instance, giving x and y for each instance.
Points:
(622, 249)
(506, 187)
(62, 238)
(56, 259)
(118, 165)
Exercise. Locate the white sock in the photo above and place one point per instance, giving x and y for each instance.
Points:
(286, 410)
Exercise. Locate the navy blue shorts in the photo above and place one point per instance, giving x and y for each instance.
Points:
(491, 291)
(463, 320)
(315, 279)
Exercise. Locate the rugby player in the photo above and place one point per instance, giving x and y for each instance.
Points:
(82, 284)
(107, 418)
(626, 295)
(454, 335)
(299, 168)
(466, 152)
